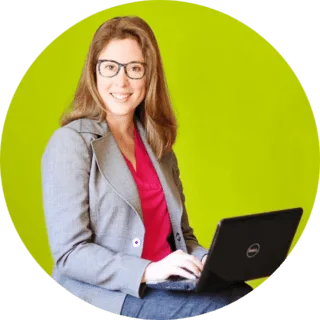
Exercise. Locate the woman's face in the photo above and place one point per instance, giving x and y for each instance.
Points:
(120, 94)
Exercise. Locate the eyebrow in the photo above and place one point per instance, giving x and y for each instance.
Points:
(134, 61)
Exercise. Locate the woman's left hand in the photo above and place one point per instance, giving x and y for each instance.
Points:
(204, 259)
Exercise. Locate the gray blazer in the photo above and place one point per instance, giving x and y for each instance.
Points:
(93, 213)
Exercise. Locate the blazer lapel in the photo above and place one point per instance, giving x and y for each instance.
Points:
(114, 168)
(164, 171)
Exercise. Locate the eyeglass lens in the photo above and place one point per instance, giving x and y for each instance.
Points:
(134, 70)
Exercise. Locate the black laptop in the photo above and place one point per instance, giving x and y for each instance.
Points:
(243, 248)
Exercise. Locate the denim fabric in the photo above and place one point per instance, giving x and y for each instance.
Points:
(163, 305)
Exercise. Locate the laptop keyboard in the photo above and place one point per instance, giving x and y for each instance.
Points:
(174, 283)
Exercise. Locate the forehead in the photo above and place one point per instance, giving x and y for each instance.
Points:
(124, 50)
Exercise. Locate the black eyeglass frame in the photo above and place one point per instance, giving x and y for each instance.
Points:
(124, 65)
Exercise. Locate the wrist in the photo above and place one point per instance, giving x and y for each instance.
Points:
(146, 273)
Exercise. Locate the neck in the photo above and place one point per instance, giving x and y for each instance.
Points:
(121, 126)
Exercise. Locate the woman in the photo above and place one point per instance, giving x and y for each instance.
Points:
(113, 199)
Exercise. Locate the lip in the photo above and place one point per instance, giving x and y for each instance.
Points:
(123, 93)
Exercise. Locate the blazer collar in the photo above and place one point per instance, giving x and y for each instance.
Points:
(114, 168)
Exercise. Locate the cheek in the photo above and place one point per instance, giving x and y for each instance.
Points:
(142, 89)
(99, 86)
(102, 88)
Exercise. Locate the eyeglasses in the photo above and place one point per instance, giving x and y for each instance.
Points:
(110, 68)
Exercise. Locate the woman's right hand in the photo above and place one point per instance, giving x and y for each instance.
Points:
(173, 264)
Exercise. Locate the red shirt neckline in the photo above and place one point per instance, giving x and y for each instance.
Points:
(153, 204)
(135, 152)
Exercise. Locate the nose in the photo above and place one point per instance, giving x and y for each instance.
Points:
(121, 78)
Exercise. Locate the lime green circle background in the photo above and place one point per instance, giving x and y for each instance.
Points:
(247, 139)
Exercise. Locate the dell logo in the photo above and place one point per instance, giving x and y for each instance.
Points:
(253, 250)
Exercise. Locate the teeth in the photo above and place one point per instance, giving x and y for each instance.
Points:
(120, 96)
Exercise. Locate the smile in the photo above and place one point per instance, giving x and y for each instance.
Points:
(121, 96)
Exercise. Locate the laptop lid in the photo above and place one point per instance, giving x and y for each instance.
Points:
(252, 246)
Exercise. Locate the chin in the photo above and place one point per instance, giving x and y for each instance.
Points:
(116, 111)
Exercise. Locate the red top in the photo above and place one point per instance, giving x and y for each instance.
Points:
(153, 203)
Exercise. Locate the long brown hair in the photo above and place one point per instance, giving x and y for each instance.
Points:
(155, 111)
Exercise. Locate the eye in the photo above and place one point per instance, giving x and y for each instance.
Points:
(109, 67)
(136, 68)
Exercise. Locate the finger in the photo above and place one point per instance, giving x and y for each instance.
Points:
(179, 254)
(196, 261)
(191, 267)
(204, 259)
(177, 271)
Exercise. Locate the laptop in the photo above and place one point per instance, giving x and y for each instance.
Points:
(243, 248)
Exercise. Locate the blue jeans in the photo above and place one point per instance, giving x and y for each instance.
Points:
(164, 305)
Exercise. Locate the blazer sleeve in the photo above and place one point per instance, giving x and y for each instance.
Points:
(66, 166)
(193, 246)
